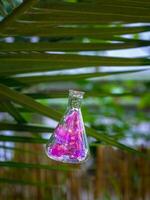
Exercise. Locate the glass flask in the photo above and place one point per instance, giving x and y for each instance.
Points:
(68, 143)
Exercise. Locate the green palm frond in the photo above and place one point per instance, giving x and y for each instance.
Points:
(69, 36)
(31, 104)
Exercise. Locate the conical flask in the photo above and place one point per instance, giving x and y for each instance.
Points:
(68, 143)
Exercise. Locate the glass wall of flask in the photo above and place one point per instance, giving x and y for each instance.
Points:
(69, 143)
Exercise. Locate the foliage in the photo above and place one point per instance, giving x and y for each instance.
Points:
(48, 47)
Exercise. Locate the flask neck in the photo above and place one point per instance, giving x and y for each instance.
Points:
(75, 99)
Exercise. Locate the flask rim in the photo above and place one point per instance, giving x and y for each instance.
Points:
(76, 93)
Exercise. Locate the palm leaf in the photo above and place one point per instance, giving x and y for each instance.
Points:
(5, 180)
(34, 62)
(11, 109)
(73, 47)
(29, 80)
(20, 165)
(30, 103)
(25, 127)
(63, 27)
(22, 139)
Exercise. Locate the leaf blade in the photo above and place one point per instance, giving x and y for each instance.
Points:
(22, 165)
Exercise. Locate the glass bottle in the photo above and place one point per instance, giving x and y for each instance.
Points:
(68, 143)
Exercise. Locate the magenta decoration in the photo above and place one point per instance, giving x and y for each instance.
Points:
(68, 143)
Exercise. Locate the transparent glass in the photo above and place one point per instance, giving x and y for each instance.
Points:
(68, 143)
